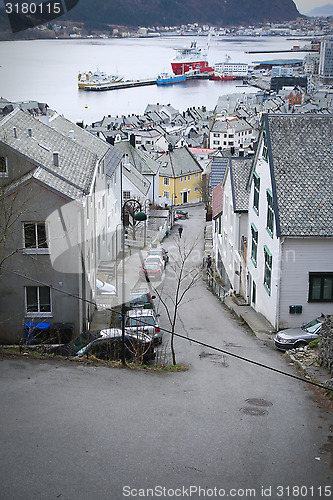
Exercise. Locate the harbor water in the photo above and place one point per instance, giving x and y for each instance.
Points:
(46, 71)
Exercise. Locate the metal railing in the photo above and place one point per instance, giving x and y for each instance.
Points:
(215, 287)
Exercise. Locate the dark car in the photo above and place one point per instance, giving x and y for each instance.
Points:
(292, 338)
(74, 345)
(141, 299)
(138, 348)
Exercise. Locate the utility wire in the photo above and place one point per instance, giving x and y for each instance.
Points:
(242, 358)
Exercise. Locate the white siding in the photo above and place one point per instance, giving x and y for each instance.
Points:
(299, 257)
(266, 303)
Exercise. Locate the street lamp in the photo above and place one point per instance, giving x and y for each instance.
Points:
(138, 216)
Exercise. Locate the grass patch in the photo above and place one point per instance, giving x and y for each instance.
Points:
(36, 352)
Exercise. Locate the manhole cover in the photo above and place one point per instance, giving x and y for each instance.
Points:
(258, 402)
(256, 412)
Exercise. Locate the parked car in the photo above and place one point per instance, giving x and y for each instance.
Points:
(141, 299)
(181, 213)
(158, 259)
(145, 321)
(298, 337)
(104, 288)
(159, 251)
(151, 270)
(72, 347)
(138, 347)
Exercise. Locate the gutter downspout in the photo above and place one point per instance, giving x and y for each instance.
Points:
(278, 292)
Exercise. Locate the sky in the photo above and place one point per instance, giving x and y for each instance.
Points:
(304, 6)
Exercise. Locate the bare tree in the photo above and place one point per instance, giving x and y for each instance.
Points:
(185, 272)
(204, 190)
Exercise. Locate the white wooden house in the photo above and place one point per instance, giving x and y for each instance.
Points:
(231, 225)
(290, 220)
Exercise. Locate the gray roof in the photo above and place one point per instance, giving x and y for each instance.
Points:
(178, 162)
(74, 175)
(144, 163)
(81, 136)
(301, 155)
(218, 167)
(239, 171)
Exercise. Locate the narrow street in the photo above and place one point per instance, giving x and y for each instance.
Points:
(226, 426)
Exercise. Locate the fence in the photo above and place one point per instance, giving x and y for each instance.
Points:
(216, 287)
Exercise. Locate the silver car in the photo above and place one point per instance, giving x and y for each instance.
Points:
(298, 337)
(143, 321)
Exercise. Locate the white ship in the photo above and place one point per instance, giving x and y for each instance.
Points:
(98, 79)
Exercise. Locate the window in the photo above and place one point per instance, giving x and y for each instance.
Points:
(265, 148)
(254, 248)
(216, 135)
(196, 188)
(270, 213)
(166, 194)
(3, 167)
(268, 269)
(188, 177)
(38, 299)
(196, 175)
(126, 195)
(320, 287)
(181, 179)
(166, 181)
(256, 182)
(35, 235)
(216, 142)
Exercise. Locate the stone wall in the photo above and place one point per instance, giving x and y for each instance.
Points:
(325, 354)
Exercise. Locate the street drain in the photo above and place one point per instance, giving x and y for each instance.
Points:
(258, 402)
(256, 412)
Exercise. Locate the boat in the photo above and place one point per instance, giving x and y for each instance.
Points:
(167, 79)
(190, 59)
(217, 76)
(98, 79)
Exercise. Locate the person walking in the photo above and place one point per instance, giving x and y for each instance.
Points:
(209, 263)
(180, 230)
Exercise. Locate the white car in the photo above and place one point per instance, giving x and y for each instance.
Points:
(104, 288)
(145, 321)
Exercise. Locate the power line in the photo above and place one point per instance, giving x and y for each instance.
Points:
(218, 349)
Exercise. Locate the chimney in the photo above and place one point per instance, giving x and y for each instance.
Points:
(15, 132)
(56, 159)
(30, 132)
(71, 134)
(132, 140)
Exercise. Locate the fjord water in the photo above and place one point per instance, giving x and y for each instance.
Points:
(46, 70)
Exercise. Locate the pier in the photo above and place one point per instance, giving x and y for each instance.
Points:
(137, 83)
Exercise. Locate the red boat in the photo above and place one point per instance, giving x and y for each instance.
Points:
(190, 59)
(221, 77)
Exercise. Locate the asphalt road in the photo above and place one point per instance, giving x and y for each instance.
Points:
(222, 429)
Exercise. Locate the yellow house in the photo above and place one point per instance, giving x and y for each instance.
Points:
(179, 177)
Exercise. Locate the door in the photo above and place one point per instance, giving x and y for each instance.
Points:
(185, 197)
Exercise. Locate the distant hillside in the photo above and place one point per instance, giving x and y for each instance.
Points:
(175, 12)
(324, 10)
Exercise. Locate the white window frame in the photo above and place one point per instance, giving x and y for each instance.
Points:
(35, 250)
(39, 314)
(5, 173)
